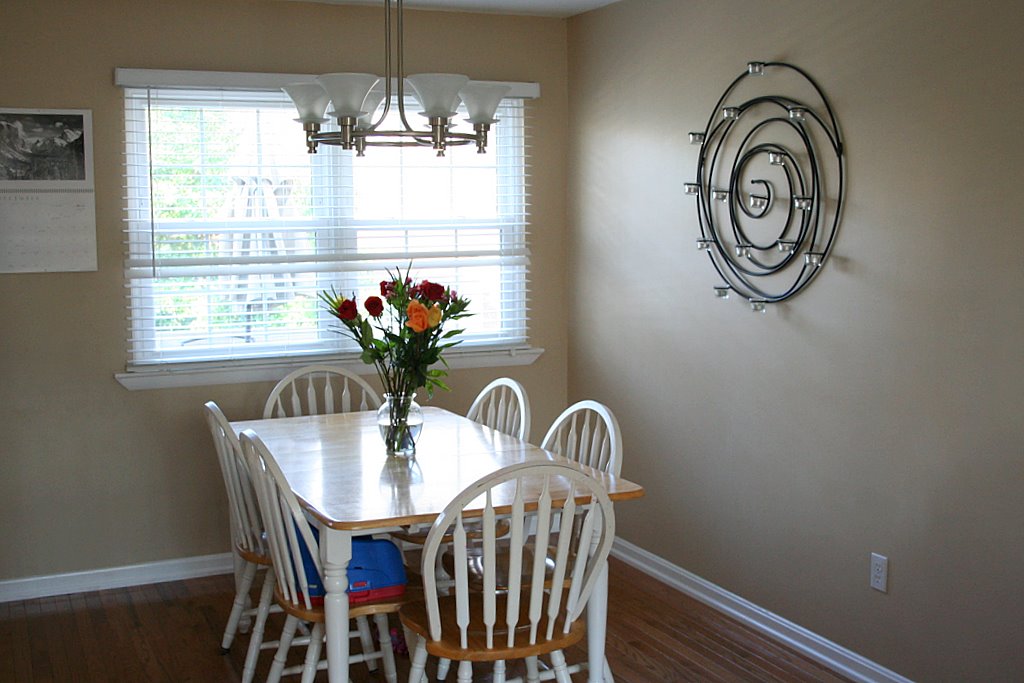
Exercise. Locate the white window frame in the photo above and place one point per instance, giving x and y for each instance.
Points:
(181, 374)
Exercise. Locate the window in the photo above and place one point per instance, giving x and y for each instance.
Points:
(233, 229)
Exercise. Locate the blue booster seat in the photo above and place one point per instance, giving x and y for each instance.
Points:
(375, 572)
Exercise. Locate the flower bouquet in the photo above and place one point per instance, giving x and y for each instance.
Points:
(402, 336)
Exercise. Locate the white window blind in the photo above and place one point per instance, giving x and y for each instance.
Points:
(233, 229)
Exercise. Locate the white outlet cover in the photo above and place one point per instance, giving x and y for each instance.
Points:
(879, 572)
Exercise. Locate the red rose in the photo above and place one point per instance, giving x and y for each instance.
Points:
(347, 310)
(387, 288)
(432, 290)
(374, 306)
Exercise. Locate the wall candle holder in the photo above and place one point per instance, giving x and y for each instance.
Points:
(770, 184)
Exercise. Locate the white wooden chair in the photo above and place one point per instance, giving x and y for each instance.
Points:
(320, 390)
(247, 538)
(588, 433)
(585, 432)
(534, 615)
(285, 526)
(503, 405)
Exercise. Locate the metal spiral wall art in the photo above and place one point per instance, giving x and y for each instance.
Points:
(769, 185)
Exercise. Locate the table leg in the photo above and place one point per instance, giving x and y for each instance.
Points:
(597, 624)
(335, 553)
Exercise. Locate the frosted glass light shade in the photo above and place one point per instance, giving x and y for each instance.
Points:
(370, 104)
(482, 100)
(348, 91)
(310, 100)
(438, 94)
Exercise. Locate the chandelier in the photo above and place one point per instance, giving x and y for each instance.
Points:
(355, 98)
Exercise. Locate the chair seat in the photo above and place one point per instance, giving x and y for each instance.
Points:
(364, 609)
(418, 535)
(252, 556)
(414, 617)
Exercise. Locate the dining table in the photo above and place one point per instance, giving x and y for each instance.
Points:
(340, 473)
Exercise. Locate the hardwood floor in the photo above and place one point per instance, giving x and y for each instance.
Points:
(171, 632)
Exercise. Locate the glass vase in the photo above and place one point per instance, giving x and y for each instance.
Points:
(400, 421)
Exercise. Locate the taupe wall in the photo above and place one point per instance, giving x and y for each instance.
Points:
(881, 409)
(92, 475)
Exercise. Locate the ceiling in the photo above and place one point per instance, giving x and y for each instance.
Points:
(549, 8)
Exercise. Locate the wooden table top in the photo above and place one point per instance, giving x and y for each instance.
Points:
(337, 466)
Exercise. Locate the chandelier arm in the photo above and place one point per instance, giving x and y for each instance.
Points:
(387, 67)
(401, 64)
(387, 63)
(421, 137)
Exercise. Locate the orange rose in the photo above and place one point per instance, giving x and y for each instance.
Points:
(418, 316)
(434, 316)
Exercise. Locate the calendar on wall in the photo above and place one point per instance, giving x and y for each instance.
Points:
(47, 192)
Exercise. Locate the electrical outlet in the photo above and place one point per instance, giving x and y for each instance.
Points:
(879, 572)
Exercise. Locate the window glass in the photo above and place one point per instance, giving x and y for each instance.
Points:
(233, 229)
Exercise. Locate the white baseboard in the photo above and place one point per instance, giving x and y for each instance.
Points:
(116, 577)
(820, 649)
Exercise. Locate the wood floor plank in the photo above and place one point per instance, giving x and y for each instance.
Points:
(90, 627)
(15, 647)
(172, 631)
(718, 631)
(42, 655)
(137, 648)
(65, 650)
(724, 654)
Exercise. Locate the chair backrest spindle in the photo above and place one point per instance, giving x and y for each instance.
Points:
(300, 393)
(588, 433)
(503, 405)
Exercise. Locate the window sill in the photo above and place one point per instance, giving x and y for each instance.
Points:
(197, 375)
